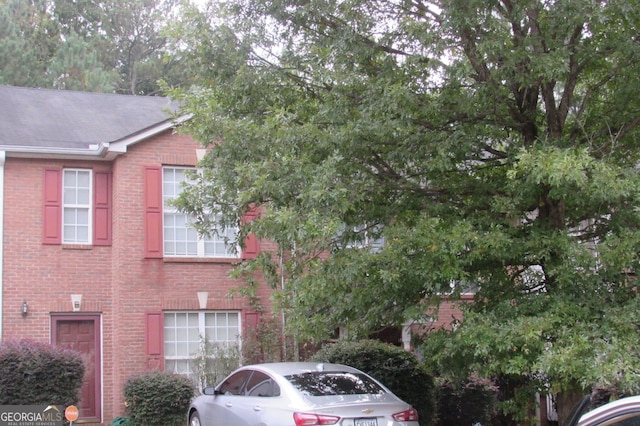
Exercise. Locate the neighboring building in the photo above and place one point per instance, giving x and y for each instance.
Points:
(92, 258)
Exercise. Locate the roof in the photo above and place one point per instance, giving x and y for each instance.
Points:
(287, 368)
(45, 121)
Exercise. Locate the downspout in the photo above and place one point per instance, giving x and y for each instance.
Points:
(2, 159)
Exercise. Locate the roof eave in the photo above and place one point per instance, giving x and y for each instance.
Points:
(94, 152)
(120, 146)
(106, 151)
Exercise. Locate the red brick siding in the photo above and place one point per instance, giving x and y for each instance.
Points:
(116, 281)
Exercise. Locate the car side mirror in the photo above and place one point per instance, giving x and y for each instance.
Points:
(209, 390)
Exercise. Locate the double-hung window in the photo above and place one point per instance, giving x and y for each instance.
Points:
(185, 335)
(182, 239)
(76, 206)
(364, 237)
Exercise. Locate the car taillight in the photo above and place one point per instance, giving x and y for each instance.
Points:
(308, 419)
(410, 415)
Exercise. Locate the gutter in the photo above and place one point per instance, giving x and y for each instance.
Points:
(103, 151)
(95, 152)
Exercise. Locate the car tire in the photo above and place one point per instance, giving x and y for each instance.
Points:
(194, 419)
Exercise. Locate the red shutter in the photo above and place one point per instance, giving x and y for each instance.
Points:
(154, 340)
(153, 246)
(52, 211)
(102, 209)
(251, 244)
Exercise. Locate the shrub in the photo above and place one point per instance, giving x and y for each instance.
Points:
(468, 403)
(215, 362)
(121, 421)
(396, 368)
(38, 373)
(263, 343)
(158, 398)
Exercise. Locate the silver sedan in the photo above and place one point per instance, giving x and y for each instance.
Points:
(300, 394)
(621, 412)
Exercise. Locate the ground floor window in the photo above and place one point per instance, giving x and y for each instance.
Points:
(204, 345)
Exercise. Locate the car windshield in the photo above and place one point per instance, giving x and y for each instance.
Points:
(334, 383)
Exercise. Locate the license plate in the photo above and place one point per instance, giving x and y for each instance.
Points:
(366, 422)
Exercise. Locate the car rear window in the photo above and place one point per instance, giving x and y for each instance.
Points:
(334, 383)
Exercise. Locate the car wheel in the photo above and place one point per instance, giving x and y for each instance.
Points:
(194, 420)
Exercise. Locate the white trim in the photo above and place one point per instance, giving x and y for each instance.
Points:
(406, 335)
(95, 151)
(101, 331)
(202, 326)
(122, 145)
(180, 175)
(89, 207)
(103, 151)
(2, 161)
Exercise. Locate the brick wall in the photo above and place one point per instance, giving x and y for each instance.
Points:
(115, 281)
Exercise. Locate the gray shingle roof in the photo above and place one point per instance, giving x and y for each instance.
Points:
(43, 118)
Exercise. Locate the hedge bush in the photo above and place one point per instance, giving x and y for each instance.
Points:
(468, 403)
(396, 368)
(158, 398)
(36, 373)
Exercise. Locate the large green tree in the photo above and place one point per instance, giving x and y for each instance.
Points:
(493, 144)
(28, 39)
(101, 46)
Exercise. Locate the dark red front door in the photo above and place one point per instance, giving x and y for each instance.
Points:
(82, 334)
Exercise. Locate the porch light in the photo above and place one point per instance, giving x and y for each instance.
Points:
(25, 309)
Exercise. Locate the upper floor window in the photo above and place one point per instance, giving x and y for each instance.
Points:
(182, 239)
(363, 237)
(76, 206)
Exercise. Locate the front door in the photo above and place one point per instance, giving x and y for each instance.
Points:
(82, 333)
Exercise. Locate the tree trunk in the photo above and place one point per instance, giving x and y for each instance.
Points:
(565, 401)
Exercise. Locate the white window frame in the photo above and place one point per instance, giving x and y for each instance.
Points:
(373, 244)
(176, 358)
(76, 207)
(188, 232)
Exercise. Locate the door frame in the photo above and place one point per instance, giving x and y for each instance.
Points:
(97, 327)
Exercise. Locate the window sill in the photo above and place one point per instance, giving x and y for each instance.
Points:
(66, 246)
(225, 260)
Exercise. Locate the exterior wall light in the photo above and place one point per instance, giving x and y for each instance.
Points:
(25, 309)
(76, 302)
